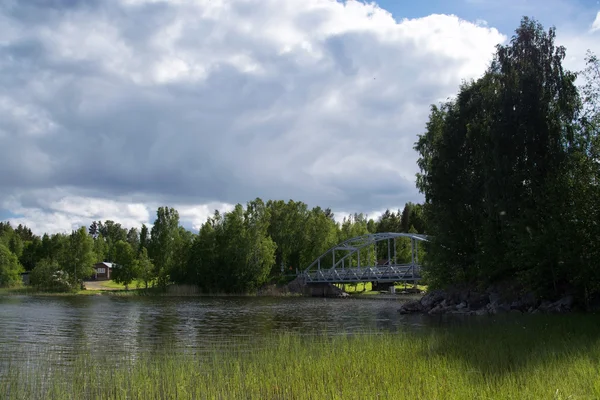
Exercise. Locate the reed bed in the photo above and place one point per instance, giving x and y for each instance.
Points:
(533, 357)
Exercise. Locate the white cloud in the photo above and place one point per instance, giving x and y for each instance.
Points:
(109, 109)
(596, 24)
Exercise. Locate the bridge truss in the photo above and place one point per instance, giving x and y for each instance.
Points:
(355, 260)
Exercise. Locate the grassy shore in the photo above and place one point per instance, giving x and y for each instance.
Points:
(528, 357)
(365, 288)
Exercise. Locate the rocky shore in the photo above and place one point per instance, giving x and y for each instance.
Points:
(492, 301)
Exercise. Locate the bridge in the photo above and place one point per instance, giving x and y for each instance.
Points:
(355, 260)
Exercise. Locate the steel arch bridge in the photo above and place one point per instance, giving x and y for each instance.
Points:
(350, 267)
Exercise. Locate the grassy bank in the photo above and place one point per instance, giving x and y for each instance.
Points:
(365, 288)
(530, 357)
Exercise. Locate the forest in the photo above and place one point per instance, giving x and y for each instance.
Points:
(510, 169)
(234, 252)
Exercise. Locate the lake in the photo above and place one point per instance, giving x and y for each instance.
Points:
(31, 326)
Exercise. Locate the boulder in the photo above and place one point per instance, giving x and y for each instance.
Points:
(410, 307)
(432, 299)
(529, 299)
(476, 300)
(439, 309)
(562, 305)
(494, 297)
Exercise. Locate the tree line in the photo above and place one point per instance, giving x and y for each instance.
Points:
(510, 172)
(233, 252)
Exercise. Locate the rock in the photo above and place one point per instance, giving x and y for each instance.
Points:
(562, 305)
(481, 311)
(461, 306)
(494, 298)
(432, 299)
(461, 311)
(476, 300)
(495, 308)
(516, 305)
(410, 307)
(437, 310)
(545, 306)
(565, 303)
(529, 300)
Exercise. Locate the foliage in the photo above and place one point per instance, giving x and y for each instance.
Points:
(163, 238)
(125, 269)
(145, 268)
(235, 252)
(79, 257)
(48, 276)
(10, 268)
(509, 173)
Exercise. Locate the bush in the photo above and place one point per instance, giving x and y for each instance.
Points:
(47, 275)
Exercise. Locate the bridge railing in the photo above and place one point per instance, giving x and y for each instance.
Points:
(388, 273)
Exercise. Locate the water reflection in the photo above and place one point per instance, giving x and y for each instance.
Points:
(31, 326)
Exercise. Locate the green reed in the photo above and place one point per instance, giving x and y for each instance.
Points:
(528, 357)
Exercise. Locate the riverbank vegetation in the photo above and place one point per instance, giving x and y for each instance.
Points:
(235, 252)
(510, 172)
(534, 357)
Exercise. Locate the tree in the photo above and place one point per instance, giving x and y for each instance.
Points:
(133, 238)
(204, 255)
(180, 271)
(93, 229)
(80, 257)
(100, 248)
(144, 238)
(320, 234)
(495, 169)
(286, 228)
(591, 92)
(126, 264)
(260, 248)
(10, 269)
(145, 268)
(31, 253)
(49, 276)
(163, 238)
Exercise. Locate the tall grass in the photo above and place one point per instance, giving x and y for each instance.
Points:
(529, 358)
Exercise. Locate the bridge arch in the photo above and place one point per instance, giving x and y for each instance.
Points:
(390, 271)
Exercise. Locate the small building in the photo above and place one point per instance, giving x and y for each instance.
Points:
(102, 271)
(25, 277)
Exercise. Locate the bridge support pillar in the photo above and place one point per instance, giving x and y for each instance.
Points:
(381, 286)
(323, 290)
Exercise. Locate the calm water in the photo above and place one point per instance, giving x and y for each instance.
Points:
(32, 326)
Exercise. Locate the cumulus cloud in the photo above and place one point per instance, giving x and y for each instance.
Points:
(596, 24)
(108, 109)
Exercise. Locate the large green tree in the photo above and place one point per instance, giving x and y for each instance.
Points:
(163, 243)
(79, 257)
(495, 168)
(10, 268)
(126, 264)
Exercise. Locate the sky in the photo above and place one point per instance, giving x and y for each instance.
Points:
(112, 108)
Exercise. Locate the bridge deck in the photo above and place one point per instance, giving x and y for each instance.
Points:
(387, 273)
